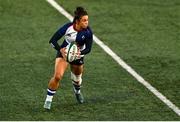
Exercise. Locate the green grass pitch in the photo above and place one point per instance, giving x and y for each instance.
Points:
(144, 33)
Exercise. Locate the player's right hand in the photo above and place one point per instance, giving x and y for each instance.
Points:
(63, 52)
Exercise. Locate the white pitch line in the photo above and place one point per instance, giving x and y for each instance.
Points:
(121, 62)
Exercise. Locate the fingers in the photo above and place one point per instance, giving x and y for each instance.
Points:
(78, 54)
(63, 52)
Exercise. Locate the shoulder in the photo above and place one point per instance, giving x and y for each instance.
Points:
(89, 31)
(63, 28)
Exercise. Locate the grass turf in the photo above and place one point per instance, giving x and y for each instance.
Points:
(27, 62)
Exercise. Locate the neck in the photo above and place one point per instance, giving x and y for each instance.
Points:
(77, 27)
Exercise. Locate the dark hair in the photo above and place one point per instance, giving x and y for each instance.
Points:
(78, 13)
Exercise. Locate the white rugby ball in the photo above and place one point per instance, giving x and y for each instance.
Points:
(71, 50)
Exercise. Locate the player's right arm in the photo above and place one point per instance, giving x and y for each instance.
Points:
(59, 33)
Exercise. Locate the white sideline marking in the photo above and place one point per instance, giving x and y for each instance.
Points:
(121, 62)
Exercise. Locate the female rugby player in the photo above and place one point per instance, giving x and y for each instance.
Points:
(79, 32)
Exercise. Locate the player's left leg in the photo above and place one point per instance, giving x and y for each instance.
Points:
(76, 76)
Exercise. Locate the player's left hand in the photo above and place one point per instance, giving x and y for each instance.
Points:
(78, 54)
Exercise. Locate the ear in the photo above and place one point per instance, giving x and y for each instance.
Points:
(77, 21)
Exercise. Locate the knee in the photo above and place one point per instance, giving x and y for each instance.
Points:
(57, 78)
(77, 79)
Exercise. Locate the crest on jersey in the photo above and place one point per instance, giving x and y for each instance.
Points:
(83, 37)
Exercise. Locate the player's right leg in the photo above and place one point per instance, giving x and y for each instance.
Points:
(76, 76)
(60, 67)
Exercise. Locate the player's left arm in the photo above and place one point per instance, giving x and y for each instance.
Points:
(88, 43)
(88, 47)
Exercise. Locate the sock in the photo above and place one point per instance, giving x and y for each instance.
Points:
(76, 87)
(50, 94)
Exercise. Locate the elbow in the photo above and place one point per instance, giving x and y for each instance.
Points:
(50, 41)
(89, 50)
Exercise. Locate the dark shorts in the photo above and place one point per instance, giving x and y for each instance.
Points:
(76, 62)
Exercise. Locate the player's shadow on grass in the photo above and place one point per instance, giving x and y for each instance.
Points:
(108, 98)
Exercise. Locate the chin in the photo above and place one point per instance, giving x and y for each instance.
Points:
(85, 27)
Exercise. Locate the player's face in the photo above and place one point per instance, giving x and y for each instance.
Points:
(83, 22)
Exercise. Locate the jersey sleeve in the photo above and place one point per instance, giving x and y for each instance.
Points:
(88, 43)
(58, 34)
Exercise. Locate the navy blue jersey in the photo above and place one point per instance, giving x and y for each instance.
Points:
(83, 38)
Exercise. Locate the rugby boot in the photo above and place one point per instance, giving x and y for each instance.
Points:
(79, 98)
(47, 105)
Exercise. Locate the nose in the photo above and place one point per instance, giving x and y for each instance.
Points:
(86, 23)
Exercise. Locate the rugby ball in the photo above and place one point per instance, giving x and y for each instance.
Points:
(71, 50)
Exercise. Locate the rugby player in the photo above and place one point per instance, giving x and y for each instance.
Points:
(79, 32)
